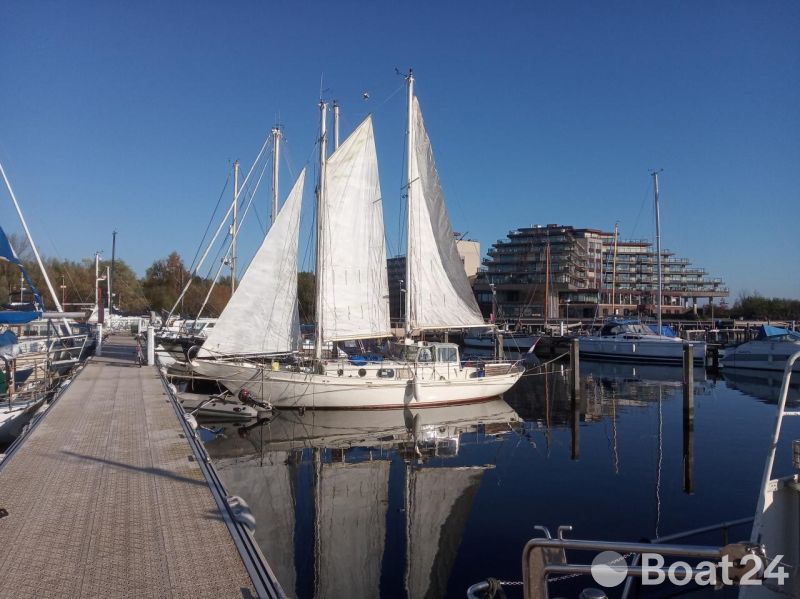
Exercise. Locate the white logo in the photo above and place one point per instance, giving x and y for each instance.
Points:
(610, 569)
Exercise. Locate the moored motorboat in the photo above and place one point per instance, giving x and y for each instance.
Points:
(768, 351)
(631, 341)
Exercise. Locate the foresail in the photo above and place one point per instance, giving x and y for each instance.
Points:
(261, 317)
(440, 293)
(353, 266)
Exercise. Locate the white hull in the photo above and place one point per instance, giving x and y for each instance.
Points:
(762, 355)
(13, 420)
(285, 389)
(666, 350)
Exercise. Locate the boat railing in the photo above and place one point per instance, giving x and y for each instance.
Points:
(544, 560)
(776, 433)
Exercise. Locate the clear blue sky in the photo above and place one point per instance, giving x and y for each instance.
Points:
(128, 116)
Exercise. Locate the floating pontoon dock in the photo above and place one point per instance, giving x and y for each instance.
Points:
(110, 495)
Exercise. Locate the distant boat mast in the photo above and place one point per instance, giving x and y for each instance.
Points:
(658, 244)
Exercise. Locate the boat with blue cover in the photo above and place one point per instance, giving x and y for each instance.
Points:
(768, 351)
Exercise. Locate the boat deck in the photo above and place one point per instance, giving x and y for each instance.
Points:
(107, 496)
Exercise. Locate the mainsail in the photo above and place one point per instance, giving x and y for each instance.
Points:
(353, 257)
(439, 292)
(261, 317)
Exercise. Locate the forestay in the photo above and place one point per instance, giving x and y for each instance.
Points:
(353, 265)
(261, 317)
(440, 293)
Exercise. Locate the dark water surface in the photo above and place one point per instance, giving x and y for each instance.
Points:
(425, 503)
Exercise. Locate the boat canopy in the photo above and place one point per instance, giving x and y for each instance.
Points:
(666, 330)
(17, 317)
(776, 334)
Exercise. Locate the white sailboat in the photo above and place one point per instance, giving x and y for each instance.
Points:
(632, 341)
(352, 296)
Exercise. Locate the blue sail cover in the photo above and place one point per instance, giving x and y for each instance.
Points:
(6, 251)
(8, 254)
(770, 332)
(666, 330)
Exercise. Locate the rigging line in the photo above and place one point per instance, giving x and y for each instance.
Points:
(235, 237)
(645, 198)
(218, 231)
(211, 220)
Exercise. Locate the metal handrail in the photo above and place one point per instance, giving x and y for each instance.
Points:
(787, 376)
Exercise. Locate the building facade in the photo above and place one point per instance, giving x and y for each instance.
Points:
(559, 272)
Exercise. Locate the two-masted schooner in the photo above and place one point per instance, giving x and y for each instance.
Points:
(260, 322)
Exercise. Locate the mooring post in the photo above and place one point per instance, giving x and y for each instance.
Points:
(151, 346)
(99, 347)
(574, 364)
(688, 418)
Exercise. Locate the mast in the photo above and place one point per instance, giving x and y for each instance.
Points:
(614, 272)
(276, 151)
(33, 245)
(323, 152)
(234, 225)
(410, 141)
(658, 245)
(96, 281)
(335, 125)
(111, 270)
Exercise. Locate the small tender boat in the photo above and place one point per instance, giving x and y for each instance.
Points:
(768, 351)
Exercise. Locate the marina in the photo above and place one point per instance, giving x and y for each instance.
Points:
(268, 331)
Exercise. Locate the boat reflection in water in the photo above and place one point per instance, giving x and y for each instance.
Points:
(320, 485)
(762, 384)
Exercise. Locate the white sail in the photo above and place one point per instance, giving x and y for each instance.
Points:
(261, 317)
(353, 269)
(440, 293)
(351, 521)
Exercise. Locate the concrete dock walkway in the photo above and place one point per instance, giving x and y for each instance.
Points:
(106, 497)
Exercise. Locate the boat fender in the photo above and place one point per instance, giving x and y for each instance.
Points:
(340, 372)
(242, 513)
(191, 420)
(244, 395)
(362, 372)
(417, 389)
(191, 353)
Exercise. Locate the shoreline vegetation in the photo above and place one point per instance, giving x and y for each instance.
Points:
(161, 285)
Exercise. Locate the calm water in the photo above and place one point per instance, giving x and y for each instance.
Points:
(426, 503)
